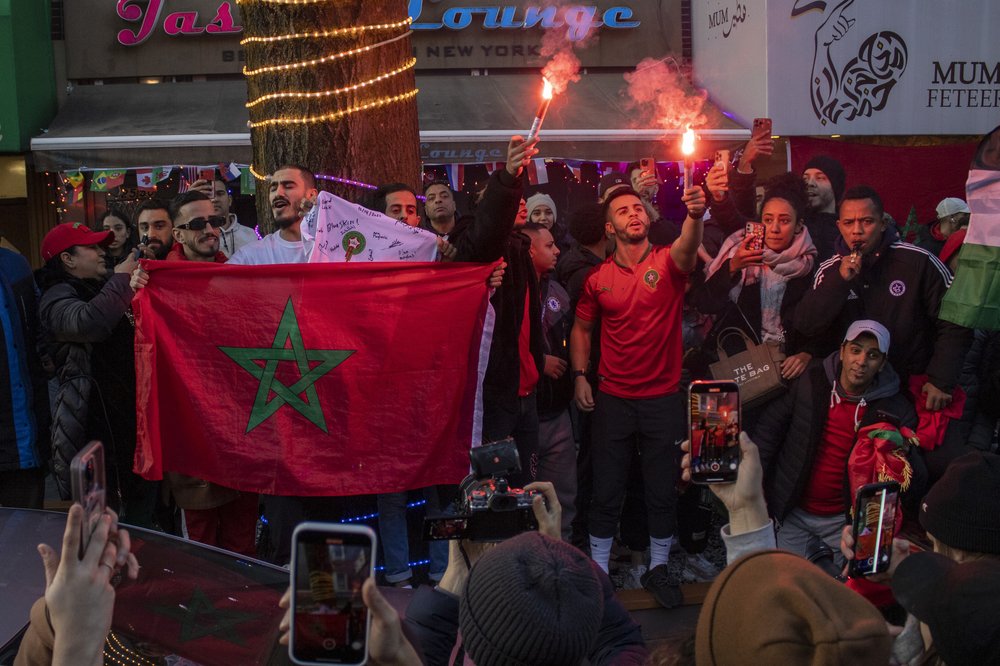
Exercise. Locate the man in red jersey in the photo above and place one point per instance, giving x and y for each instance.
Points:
(637, 294)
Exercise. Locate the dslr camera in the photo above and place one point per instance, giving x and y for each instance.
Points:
(491, 510)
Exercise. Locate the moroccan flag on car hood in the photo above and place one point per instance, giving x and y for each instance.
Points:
(310, 379)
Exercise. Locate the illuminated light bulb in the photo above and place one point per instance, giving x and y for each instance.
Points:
(328, 93)
(327, 58)
(336, 115)
(325, 34)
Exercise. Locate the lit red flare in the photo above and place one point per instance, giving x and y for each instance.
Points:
(543, 108)
(687, 147)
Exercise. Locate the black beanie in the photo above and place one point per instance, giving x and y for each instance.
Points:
(962, 509)
(531, 600)
(833, 170)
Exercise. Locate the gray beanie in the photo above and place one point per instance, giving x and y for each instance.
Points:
(540, 198)
(532, 600)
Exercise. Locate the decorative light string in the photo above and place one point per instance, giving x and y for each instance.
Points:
(337, 115)
(339, 91)
(325, 34)
(322, 59)
(283, 2)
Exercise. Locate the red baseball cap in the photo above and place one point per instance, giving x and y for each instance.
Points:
(68, 234)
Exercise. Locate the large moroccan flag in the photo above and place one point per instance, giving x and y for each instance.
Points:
(311, 379)
(973, 300)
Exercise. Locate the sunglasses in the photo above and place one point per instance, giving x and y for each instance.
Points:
(199, 223)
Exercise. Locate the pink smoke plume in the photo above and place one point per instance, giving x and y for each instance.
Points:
(558, 44)
(663, 96)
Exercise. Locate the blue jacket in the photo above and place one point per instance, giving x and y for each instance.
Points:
(24, 403)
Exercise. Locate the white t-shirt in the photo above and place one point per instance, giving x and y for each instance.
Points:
(273, 249)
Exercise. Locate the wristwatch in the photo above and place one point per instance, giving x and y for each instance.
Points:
(579, 373)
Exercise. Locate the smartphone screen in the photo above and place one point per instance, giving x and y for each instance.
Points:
(330, 563)
(714, 431)
(755, 232)
(874, 527)
(89, 488)
(761, 127)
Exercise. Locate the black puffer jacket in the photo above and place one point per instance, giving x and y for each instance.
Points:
(789, 431)
(89, 340)
(982, 405)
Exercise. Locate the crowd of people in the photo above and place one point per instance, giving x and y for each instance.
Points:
(604, 313)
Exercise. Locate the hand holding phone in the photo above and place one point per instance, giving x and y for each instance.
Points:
(761, 127)
(330, 624)
(87, 478)
(873, 528)
(755, 236)
(714, 431)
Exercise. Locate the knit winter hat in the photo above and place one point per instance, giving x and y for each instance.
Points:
(531, 600)
(538, 199)
(962, 509)
(833, 170)
(774, 607)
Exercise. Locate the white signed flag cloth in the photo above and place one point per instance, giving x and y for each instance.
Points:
(344, 231)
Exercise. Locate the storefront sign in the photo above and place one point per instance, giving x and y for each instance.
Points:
(176, 23)
(579, 20)
(851, 68)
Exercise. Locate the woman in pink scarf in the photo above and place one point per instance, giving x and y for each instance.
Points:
(757, 291)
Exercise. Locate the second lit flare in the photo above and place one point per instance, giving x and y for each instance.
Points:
(543, 108)
(687, 147)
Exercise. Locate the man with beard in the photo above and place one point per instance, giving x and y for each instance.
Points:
(152, 218)
(232, 235)
(211, 513)
(637, 294)
(291, 190)
(824, 178)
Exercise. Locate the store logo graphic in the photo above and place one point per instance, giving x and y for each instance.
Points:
(727, 19)
(862, 86)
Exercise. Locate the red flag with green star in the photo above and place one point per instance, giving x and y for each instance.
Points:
(311, 379)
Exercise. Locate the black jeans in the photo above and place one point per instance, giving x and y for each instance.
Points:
(521, 423)
(657, 425)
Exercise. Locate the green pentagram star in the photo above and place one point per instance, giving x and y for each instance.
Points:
(199, 618)
(288, 331)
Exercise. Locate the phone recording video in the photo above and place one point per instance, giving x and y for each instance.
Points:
(330, 622)
(87, 479)
(874, 528)
(714, 431)
(755, 236)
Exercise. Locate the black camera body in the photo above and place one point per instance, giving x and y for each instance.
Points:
(495, 511)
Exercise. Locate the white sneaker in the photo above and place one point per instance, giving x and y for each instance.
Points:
(700, 569)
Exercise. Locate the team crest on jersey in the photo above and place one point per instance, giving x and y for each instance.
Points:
(897, 288)
(651, 278)
(553, 303)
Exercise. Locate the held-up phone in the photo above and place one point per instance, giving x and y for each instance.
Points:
(722, 156)
(207, 174)
(874, 527)
(714, 431)
(330, 622)
(87, 479)
(648, 165)
(755, 237)
(761, 127)
(144, 241)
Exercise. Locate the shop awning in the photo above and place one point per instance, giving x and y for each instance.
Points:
(464, 119)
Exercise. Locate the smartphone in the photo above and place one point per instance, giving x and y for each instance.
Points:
(874, 527)
(142, 241)
(761, 127)
(714, 431)
(648, 164)
(207, 174)
(330, 622)
(755, 233)
(89, 489)
(723, 157)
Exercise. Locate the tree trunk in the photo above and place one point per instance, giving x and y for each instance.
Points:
(375, 145)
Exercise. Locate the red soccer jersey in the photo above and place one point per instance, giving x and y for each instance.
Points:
(824, 494)
(640, 313)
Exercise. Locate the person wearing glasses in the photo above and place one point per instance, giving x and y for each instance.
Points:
(874, 273)
(210, 513)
